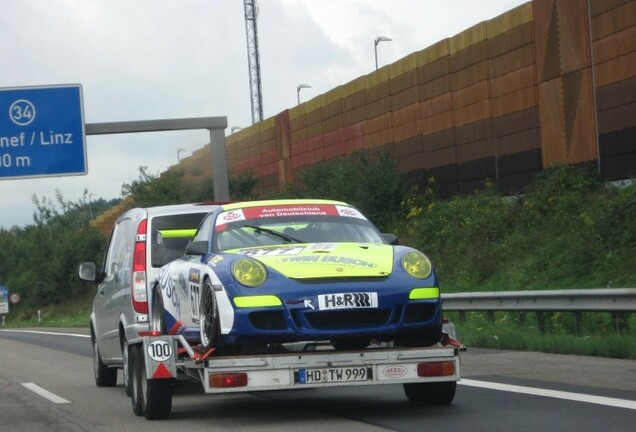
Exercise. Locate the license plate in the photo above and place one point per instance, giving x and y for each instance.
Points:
(326, 375)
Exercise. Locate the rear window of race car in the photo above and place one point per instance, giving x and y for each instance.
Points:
(170, 236)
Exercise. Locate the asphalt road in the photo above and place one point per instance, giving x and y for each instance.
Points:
(500, 391)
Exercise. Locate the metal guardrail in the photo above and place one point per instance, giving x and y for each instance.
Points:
(574, 300)
(617, 301)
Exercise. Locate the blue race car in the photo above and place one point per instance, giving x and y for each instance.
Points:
(265, 273)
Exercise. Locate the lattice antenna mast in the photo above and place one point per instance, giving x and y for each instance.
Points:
(251, 33)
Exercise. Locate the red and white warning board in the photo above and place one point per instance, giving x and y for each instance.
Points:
(160, 357)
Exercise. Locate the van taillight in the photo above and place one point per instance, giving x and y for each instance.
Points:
(138, 286)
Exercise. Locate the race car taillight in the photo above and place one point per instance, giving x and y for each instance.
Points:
(138, 286)
(228, 380)
(433, 369)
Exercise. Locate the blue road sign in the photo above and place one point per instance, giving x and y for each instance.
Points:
(42, 132)
(4, 300)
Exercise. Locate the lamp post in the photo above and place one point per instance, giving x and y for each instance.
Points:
(90, 205)
(298, 88)
(375, 47)
(179, 155)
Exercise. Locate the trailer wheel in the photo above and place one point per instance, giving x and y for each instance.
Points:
(436, 393)
(209, 319)
(135, 379)
(150, 397)
(104, 376)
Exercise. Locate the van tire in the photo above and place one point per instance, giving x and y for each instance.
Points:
(104, 376)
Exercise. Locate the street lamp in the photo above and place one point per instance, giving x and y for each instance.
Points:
(90, 206)
(178, 155)
(298, 88)
(375, 47)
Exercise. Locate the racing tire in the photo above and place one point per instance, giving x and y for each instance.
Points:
(209, 326)
(125, 355)
(104, 376)
(158, 312)
(151, 398)
(436, 393)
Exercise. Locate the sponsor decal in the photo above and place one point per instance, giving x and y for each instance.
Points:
(349, 212)
(170, 293)
(182, 285)
(348, 300)
(289, 210)
(346, 261)
(229, 216)
(194, 276)
(394, 371)
(276, 251)
(321, 246)
(299, 259)
(215, 260)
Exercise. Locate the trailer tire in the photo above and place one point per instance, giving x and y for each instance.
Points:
(436, 393)
(104, 376)
(135, 379)
(150, 397)
(209, 317)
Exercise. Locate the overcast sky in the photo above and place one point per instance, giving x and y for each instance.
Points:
(159, 59)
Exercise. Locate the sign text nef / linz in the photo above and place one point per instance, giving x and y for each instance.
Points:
(36, 138)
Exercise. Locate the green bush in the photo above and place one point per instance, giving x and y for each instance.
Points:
(370, 182)
(569, 230)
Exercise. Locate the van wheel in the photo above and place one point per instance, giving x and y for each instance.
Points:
(209, 317)
(158, 314)
(104, 376)
(125, 352)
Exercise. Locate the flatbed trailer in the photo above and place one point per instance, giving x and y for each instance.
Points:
(427, 374)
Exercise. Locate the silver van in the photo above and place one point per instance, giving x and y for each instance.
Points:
(142, 241)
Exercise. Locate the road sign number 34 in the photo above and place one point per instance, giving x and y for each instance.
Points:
(22, 112)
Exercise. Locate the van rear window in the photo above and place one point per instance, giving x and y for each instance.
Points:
(170, 236)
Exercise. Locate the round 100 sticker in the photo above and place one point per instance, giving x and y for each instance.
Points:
(160, 350)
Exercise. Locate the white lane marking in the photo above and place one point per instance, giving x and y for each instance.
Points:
(577, 397)
(45, 393)
(47, 333)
